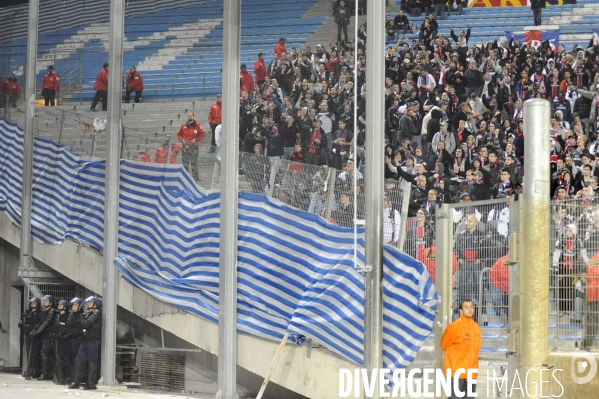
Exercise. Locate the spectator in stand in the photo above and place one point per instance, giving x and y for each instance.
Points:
(419, 236)
(499, 276)
(13, 90)
(214, 118)
(429, 258)
(101, 87)
(50, 87)
(391, 221)
(343, 215)
(315, 144)
(468, 246)
(260, 70)
(190, 134)
(342, 20)
(280, 47)
(402, 22)
(134, 84)
(440, 9)
(537, 6)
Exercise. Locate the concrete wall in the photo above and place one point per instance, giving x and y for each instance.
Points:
(10, 305)
(314, 377)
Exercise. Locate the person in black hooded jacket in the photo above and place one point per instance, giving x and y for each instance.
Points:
(45, 332)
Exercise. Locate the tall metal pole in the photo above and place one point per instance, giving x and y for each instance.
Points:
(111, 206)
(514, 317)
(444, 273)
(227, 306)
(24, 261)
(534, 246)
(373, 240)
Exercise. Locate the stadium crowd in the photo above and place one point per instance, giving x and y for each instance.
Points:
(453, 129)
(454, 110)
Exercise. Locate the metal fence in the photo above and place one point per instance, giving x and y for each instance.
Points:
(464, 247)
(574, 275)
(470, 251)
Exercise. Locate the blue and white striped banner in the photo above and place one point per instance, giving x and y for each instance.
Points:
(296, 272)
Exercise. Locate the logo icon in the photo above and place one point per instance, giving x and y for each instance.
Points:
(583, 368)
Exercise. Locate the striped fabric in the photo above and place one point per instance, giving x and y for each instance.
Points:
(295, 271)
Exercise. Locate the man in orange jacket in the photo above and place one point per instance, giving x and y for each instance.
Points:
(461, 343)
(101, 87)
(190, 134)
(214, 118)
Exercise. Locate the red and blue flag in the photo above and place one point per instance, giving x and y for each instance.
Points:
(536, 37)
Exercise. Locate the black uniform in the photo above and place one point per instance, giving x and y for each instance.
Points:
(61, 347)
(71, 334)
(29, 320)
(89, 350)
(44, 331)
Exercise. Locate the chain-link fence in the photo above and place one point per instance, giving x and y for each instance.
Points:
(574, 275)
(466, 246)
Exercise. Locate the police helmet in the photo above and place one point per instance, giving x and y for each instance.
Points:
(49, 298)
(36, 300)
(77, 301)
(96, 301)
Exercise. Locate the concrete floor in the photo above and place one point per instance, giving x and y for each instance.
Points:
(13, 386)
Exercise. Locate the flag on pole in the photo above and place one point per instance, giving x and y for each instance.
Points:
(536, 37)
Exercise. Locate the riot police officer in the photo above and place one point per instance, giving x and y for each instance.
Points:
(61, 344)
(89, 350)
(45, 330)
(71, 335)
(29, 319)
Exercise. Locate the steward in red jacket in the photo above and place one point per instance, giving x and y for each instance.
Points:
(50, 87)
(260, 69)
(134, 83)
(14, 90)
(214, 118)
(247, 83)
(280, 47)
(190, 134)
(101, 87)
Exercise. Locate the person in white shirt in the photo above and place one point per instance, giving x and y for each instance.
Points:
(391, 222)
(502, 217)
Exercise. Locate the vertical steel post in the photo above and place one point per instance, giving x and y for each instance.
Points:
(227, 306)
(443, 271)
(25, 251)
(514, 289)
(111, 205)
(373, 238)
(80, 78)
(534, 246)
